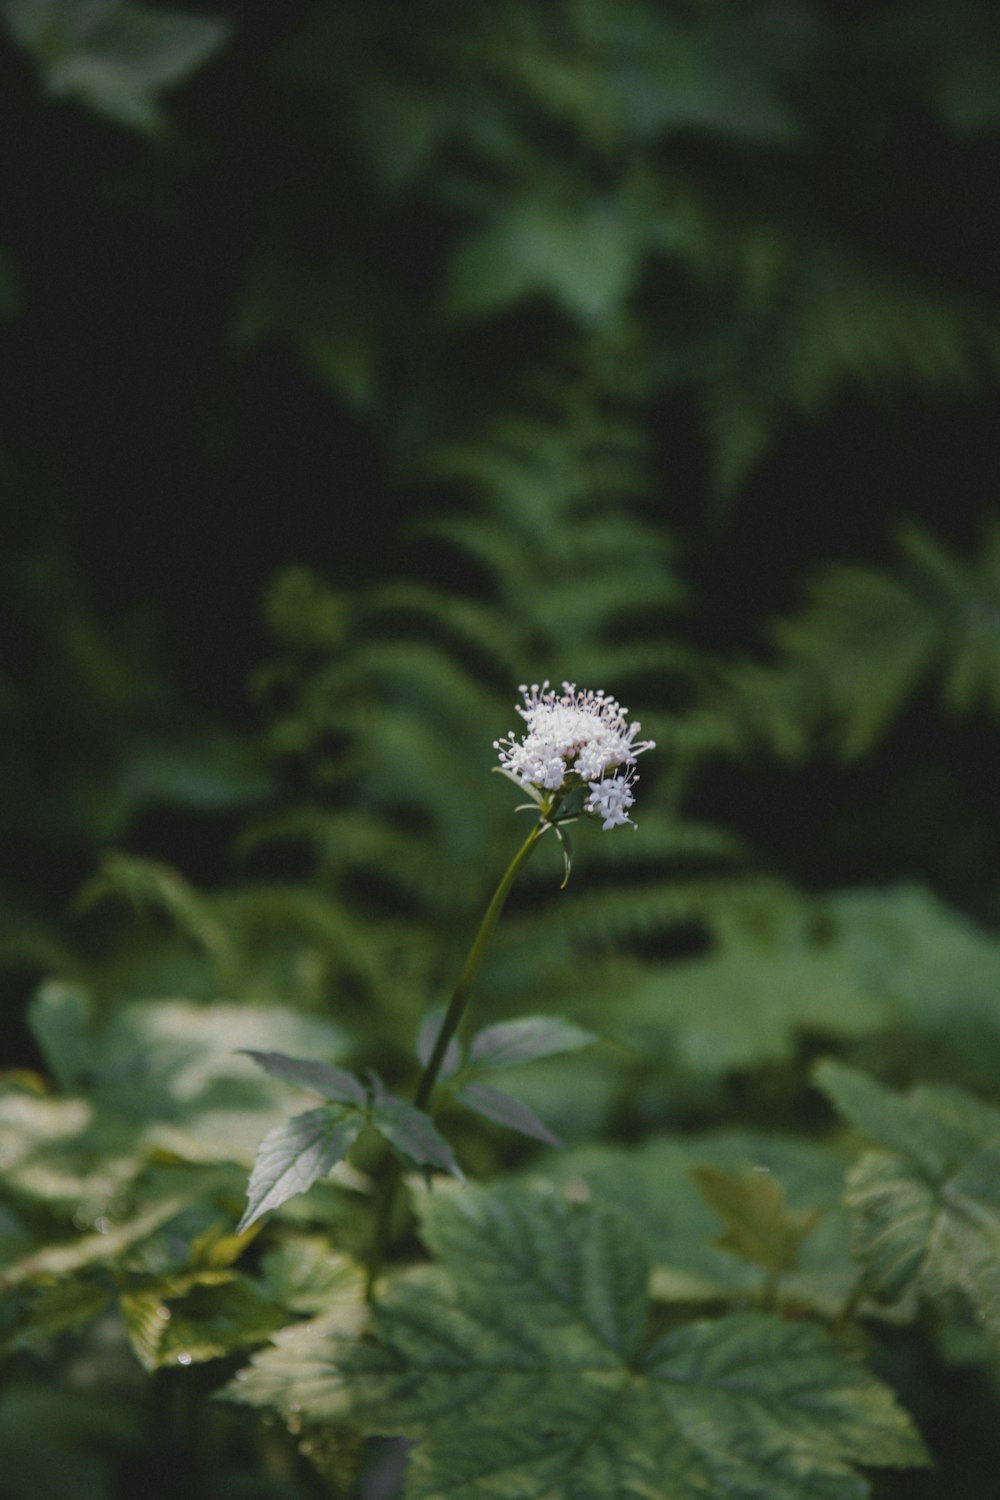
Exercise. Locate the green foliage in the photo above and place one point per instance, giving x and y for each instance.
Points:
(495, 343)
(925, 1208)
(868, 639)
(523, 1362)
(113, 56)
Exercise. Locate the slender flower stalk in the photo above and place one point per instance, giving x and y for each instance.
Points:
(449, 1026)
(572, 741)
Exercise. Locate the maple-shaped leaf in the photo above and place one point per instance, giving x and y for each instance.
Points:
(522, 1364)
(760, 1227)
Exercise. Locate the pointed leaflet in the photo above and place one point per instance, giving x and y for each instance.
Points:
(331, 1083)
(504, 1109)
(513, 1042)
(926, 1213)
(520, 1363)
(296, 1154)
(413, 1134)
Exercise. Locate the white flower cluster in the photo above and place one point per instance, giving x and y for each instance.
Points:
(574, 739)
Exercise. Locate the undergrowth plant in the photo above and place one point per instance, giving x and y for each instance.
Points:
(680, 1181)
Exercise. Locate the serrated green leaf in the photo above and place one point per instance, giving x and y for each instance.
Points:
(414, 1134)
(889, 1119)
(520, 1364)
(760, 1227)
(305, 1275)
(332, 1083)
(207, 1322)
(926, 1212)
(295, 1155)
(504, 1109)
(513, 1042)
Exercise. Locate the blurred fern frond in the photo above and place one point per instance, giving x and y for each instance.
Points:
(542, 566)
(867, 640)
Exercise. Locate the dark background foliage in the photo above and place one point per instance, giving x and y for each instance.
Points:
(685, 317)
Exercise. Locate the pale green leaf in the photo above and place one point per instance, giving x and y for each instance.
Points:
(207, 1322)
(332, 1083)
(295, 1155)
(760, 1227)
(504, 1109)
(510, 1043)
(926, 1211)
(114, 57)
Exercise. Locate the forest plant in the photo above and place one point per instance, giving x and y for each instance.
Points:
(528, 1360)
(576, 759)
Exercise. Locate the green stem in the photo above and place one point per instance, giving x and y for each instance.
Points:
(452, 1020)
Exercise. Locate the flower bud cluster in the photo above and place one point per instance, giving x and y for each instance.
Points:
(574, 739)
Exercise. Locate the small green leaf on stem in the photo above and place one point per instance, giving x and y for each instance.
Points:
(332, 1083)
(513, 1042)
(296, 1154)
(503, 1109)
(414, 1134)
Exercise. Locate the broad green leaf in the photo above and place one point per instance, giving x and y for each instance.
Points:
(513, 1042)
(426, 1039)
(59, 1019)
(748, 1004)
(414, 1134)
(760, 1227)
(209, 1320)
(295, 1155)
(306, 1275)
(520, 1363)
(504, 1109)
(181, 1064)
(332, 1083)
(926, 1212)
(654, 1186)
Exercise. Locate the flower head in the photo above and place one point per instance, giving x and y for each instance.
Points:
(574, 739)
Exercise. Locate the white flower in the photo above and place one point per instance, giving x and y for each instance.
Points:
(573, 739)
(610, 800)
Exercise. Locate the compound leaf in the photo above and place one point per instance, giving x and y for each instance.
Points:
(926, 1211)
